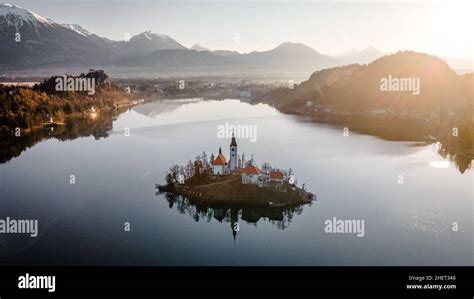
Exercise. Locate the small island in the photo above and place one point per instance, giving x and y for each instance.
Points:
(235, 182)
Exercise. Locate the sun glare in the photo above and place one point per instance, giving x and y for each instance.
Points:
(451, 28)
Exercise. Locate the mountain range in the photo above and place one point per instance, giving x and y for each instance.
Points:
(30, 41)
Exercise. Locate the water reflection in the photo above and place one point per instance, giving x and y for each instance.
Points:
(462, 162)
(12, 146)
(280, 217)
(458, 149)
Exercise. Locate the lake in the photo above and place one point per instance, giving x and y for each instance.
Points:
(410, 198)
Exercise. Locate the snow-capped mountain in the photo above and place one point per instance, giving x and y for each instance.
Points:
(12, 15)
(78, 29)
(148, 42)
(28, 39)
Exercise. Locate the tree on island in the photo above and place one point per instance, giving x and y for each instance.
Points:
(189, 170)
(181, 173)
(169, 178)
(174, 172)
(250, 162)
(290, 171)
(198, 166)
(204, 158)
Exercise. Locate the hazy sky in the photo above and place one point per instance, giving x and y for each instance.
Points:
(331, 27)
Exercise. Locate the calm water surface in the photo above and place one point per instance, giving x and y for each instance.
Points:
(354, 177)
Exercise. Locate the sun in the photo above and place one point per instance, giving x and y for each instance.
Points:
(452, 25)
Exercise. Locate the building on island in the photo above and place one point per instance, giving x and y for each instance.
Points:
(277, 177)
(262, 180)
(250, 174)
(219, 165)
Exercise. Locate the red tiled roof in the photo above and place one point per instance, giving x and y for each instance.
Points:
(251, 170)
(220, 160)
(276, 175)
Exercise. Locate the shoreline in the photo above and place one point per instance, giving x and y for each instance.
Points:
(237, 194)
(390, 127)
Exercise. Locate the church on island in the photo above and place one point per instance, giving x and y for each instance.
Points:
(217, 182)
(250, 174)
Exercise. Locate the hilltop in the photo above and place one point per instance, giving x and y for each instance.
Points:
(357, 88)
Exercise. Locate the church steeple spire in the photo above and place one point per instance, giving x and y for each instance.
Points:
(233, 142)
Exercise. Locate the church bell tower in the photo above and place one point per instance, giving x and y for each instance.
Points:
(233, 154)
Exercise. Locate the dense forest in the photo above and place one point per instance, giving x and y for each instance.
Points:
(29, 108)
